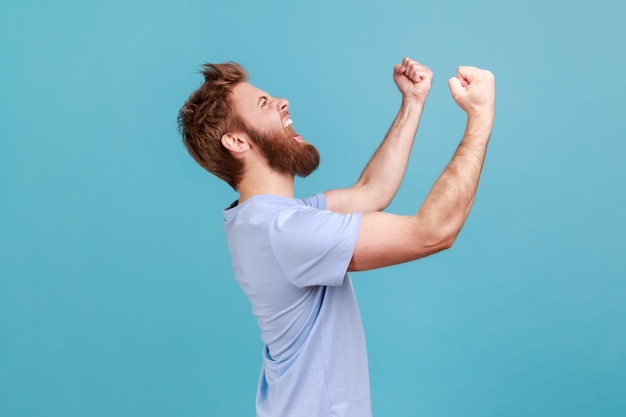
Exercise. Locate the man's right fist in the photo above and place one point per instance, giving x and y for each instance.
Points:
(474, 90)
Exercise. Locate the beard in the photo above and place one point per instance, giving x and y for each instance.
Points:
(284, 153)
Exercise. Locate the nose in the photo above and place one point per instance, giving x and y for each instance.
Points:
(282, 104)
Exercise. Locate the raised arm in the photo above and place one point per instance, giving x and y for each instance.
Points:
(386, 239)
(382, 176)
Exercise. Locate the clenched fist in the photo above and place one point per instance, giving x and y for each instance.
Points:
(474, 90)
(413, 79)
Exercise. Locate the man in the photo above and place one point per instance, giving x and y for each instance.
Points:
(291, 256)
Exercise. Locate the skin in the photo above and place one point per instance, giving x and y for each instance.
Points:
(385, 239)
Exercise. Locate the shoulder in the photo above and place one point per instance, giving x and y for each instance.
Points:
(316, 201)
(279, 214)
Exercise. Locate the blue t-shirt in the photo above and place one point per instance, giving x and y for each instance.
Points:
(291, 257)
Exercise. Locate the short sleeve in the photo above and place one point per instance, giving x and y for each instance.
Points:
(312, 246)
(316, 200)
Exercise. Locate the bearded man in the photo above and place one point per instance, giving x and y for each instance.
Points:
(291, 256)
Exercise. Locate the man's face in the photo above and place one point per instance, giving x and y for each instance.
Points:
(269, 126)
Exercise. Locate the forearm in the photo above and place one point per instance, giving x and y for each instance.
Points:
(386, 239)
(384, 172)
(448, 204)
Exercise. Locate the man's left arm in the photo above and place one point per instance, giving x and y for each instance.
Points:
(383, 174)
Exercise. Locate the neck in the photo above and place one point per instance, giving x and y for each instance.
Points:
(266, 182)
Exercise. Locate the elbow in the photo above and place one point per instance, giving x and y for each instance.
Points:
(442, 243)
(383, 201)
(447, 243)
(368, 198)
(379, 200)
(440, 240)
(381, 205)
(438, 231)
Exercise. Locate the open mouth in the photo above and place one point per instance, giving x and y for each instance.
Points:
(292, 133)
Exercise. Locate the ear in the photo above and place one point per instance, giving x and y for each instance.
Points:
(236, 142)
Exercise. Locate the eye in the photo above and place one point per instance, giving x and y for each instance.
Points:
(264, 101)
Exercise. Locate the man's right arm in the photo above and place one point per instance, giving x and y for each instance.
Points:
(386, 239)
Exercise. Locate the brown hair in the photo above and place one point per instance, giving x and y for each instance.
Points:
(207, 115)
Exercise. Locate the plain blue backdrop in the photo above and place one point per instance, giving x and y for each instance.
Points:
(116, 293)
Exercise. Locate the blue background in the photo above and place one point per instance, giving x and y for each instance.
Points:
(116, 293)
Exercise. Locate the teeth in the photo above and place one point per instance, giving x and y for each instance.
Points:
(287, 123)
